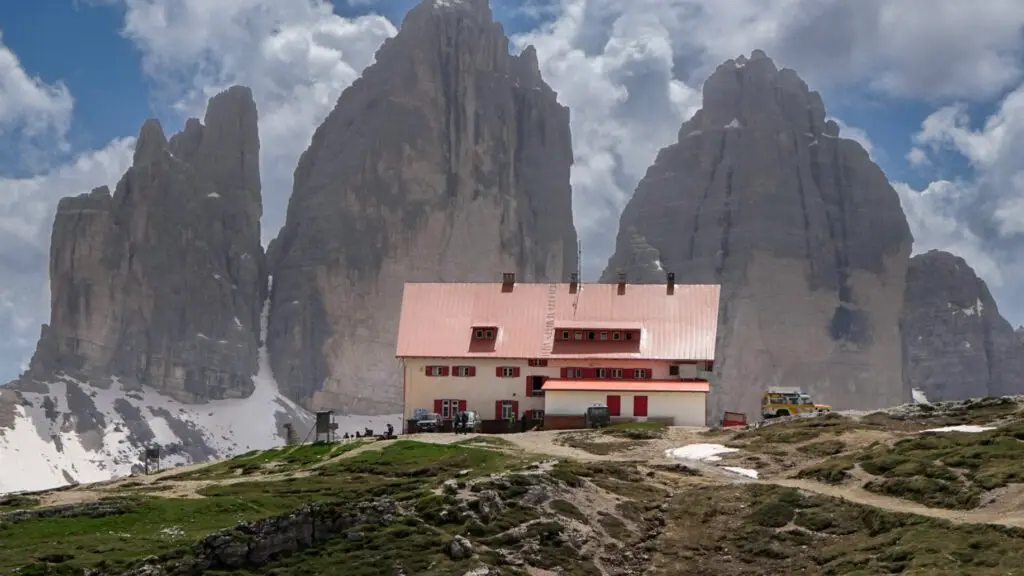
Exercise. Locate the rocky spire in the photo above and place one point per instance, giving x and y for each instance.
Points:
(162, 283)
(958, 346)
(799, 226)
(448, 160)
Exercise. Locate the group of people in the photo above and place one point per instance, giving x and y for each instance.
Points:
(368, 432)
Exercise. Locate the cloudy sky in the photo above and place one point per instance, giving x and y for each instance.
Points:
(933, 88)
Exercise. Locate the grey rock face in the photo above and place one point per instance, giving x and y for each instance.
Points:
(162, 283)
(448, 160)
(958, 346)
(799, 226)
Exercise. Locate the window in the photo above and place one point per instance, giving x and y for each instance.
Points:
(437, 370)
(602, 372)
(479, 334)
(591, 335)
(629, 335)
(640, 373)
(673, 370)
(506, 410)
(535, 414)
(450, 407)
(616, 335)
(565, 335)
(604, 335)
(489, 334)
(484, 333)
(507, 372)
(617, 373)
(538, 363)
(535, 386)
(574, 372)
(578, 336)
(465, 371)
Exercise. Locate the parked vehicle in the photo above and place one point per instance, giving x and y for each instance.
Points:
(473, 422)
(430, 422)
(780, 402)
(597, 416)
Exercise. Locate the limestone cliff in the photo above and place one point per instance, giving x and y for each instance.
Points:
(448, 160)
(958, 346)
(161, 284)
(801, 228)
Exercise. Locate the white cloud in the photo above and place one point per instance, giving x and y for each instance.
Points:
(296, 56)
(34, 115)
(857, 135)
(918, 157)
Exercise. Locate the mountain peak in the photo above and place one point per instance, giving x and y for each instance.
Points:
(151, 143)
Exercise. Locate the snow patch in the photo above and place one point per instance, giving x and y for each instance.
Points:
(741, 471)
(962, 428)
(734, 124)
(918, 396)
(213, 195)
(43, 450)
(701, 452)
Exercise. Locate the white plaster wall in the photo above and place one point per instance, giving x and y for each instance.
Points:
(481, 391)
(686, 408)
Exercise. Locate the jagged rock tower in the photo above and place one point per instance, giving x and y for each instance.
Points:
(162, 283)
(958, 346)
(801, 228)
(448, 160)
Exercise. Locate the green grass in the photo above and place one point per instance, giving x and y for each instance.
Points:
(150, 525)
(495, 442)
(739, 530)
(950, 470)
(18, 502)
(275, 461)
(636, 430)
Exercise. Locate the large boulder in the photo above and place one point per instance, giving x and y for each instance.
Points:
(803, 231)
(448, 160)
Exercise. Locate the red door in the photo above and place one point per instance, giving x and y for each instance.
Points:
(640, 406)
(614, 405)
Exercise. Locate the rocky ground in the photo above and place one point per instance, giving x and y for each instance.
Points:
(876, 493)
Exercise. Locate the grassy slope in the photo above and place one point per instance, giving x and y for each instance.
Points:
(589, 517)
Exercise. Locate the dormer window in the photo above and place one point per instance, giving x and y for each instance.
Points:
(578, 335)
(565, 335)
(604, 335)
(616, 336)
(591, 335)
(484, 332)
(629, 335)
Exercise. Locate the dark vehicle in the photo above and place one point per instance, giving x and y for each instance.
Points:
(597, 416)
(473, 423)
(429, 423)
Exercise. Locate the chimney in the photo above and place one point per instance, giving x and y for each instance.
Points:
(622, 283)
(670, 281)
(574, 282)
(508, 278)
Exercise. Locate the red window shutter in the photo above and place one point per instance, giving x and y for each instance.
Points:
(430, 370)
(515, 409)
(444, 370)
(590, 373)
(649, 374)
(497, 410)
(639, 405)
(462, 405)
(564, 372)
(472, 370)
(437, 406)
(497, 371)
(515, 372)
(529, 386)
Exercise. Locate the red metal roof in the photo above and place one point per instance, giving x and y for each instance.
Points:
(626, 386)
(437, 319)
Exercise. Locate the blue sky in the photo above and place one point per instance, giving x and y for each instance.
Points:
(900, 78)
